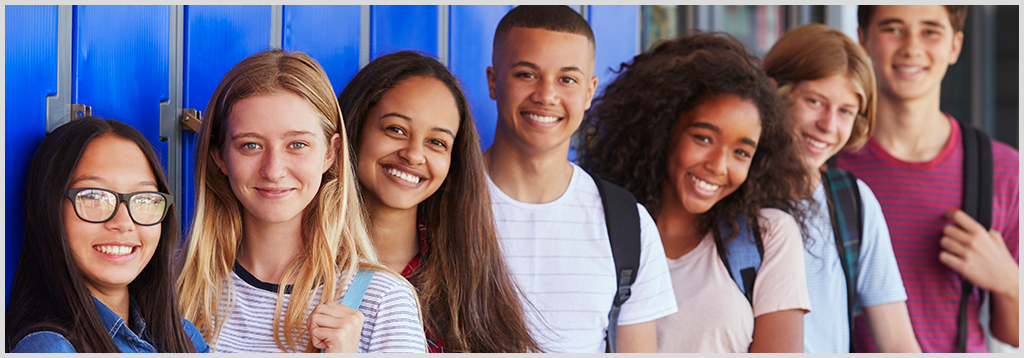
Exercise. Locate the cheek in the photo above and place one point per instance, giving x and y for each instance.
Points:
(738, 174)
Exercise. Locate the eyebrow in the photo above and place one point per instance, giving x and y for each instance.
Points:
(928, 23)
(534, 66)
(104, 181)
(715, 129)
(407, 119)
(259, 136)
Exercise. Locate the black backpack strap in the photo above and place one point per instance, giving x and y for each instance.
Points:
(976, 202)
(741, 256)
(622, 217)
(845, 211)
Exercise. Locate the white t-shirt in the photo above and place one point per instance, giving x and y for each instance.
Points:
(827, 330)
(714, 316)
(391, 317)
(560, 256)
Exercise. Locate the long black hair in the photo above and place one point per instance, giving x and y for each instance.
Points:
(48, 291)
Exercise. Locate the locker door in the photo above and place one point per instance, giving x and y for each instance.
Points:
(472, 40)
(329, 34)
(31, 75)
(616, 32)
(403, 27)
(216, 38)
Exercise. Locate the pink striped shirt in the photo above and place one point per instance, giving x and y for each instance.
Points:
(914, 198)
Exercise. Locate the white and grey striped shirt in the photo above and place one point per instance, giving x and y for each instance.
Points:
(391, 325)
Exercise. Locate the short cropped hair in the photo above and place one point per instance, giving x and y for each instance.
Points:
(558, 18)
(957, 15)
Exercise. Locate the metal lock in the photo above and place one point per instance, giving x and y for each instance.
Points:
(192, 119)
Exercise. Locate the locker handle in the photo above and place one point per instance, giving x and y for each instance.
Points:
(192, 119)
(80, 111)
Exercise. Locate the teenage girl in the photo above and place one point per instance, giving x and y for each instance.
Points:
(831, 87)
(95, 272)
(697, 133)
(278, 233)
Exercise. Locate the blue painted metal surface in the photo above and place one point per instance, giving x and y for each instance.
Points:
(216, 38)
(30, 72)
(471, 38)
(119, 65)
(403, 27)
(615, 32)
(327, 33)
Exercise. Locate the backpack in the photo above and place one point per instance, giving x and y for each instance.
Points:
(623, 221)
(354, 295)
(742, 256)
(976, 202)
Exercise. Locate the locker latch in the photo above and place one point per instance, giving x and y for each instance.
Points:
(80, 110)
(192, 119)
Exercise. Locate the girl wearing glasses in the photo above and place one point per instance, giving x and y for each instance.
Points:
(95, 273)
(278, 232)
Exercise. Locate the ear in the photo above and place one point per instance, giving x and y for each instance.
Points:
(862, 36)
(958, 44)
(218, 158)
(332, 152)
(590, 91)
(490, 82)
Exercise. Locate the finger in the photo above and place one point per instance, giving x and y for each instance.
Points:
(960, 218)
(314, 338)
(953, 246)
(952, 261)
(956, 233)
(997, 237)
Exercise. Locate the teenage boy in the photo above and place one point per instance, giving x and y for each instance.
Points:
(914, 165)
(547, 210)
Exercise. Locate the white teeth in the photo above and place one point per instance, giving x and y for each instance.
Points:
(703, 185)
(404, 176)
(816, 144)
(542, 119)
(114, 250)
(909, 69)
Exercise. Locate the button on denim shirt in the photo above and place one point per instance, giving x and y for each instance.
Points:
(125, 338)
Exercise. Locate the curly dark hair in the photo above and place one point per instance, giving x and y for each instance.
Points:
(629, 129)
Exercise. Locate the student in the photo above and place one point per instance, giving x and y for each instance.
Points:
(697, 133)
(278, 232)
(936, 244)
(547, 210)
(422, 180)
(95, 275)
(831, 88)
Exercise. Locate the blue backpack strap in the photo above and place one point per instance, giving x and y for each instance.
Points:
(976, 202)
(623, 221)
(742, 256)
(845, 211)
(355, 293)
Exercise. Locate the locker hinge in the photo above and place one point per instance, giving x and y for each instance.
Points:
(192, 119)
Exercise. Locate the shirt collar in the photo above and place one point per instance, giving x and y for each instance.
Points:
(115, 323)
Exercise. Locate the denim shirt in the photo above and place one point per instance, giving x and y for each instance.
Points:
(125, 338)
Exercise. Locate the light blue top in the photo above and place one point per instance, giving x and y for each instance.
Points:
(124, 336)
(826, 328)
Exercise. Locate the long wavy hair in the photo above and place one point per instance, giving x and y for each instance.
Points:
(629, 129)
(333, 228)
(464, 285)
(49, 291)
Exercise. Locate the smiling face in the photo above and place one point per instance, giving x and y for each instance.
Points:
(543, 82)
(275, 155)
(911, 47)
(406, 143)
(825, 110)
(111, 254)
(711, 152)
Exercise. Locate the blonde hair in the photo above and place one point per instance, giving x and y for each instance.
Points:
(334, 232)
(816, 51)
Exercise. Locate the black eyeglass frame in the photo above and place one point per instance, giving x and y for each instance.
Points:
(121, 198)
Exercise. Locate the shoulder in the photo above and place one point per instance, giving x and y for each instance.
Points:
(43, 342)
(775, 220)
(1006, 163)
(193, 334)
(388, 291)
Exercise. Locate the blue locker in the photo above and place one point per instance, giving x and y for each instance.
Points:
(327, 33)
(119, 65)
(31, 75)
(403, 27)
(216, 38)
(615, 32)
(471, 36)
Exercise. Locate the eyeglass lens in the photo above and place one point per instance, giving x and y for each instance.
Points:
(99, 205)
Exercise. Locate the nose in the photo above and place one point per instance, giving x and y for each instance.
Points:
(717, 161)
(912, 45)
(121, 221)
(828, 120)
(273, 166)
(545, 93)
(412, 153)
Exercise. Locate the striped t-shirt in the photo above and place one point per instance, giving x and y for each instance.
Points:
(914, 198)
(391, 316)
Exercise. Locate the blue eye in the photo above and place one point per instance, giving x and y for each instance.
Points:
(251, 146)
(298, 145)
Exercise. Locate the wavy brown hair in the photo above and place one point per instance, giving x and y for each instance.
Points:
(48, 290)
(629, 129)
(465, 287)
